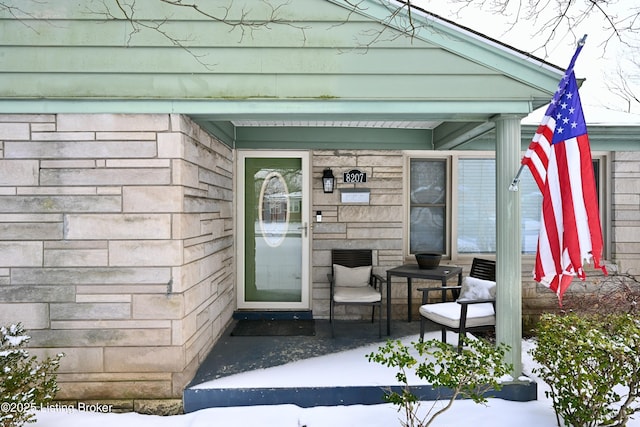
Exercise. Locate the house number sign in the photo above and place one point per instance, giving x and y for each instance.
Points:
(355, 176)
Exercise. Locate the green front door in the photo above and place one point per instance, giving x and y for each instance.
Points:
(273, 241)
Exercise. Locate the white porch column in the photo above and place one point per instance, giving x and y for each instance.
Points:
(508, 240)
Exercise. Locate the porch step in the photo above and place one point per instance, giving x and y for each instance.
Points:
(304, 397)
(238, 354)
(273, 315)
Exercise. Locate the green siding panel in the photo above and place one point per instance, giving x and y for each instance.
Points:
(193, 34)
(233, 86)
(317, 50)
(601, 138)
(237, 61)
(157, 10)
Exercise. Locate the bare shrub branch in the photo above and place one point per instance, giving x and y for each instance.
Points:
(616, 293)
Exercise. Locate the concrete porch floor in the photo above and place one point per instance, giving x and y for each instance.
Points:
(237, 354)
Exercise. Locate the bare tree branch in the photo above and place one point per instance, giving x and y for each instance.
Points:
(19, 13)
(617, 293)
(620, 86)
(550, 20)
(566, 15)
(125, 10)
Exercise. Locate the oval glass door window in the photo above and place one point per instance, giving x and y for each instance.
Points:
(273, 209)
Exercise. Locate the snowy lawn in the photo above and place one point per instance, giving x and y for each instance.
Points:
(354, 370)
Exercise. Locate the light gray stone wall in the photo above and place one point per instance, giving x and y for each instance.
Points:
(116, 247)
(626, 211)
(379, 224)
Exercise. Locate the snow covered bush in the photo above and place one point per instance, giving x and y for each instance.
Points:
(592, 367)
(470, 373)
(25, 383)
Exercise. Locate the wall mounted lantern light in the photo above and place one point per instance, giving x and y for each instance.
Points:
(328, 181)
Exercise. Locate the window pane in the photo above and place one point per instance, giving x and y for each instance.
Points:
(428, 184)
(476, 206)
(427, 229)
(531, 209)
(427, 225)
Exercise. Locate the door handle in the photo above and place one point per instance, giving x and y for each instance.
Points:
(304, 227)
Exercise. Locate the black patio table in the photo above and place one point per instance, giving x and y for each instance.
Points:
(412, 271)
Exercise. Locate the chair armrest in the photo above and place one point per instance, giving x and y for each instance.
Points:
(439, 288)
(442, 289)
(475, 301)
(377, 279)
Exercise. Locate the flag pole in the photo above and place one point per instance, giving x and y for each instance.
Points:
(516, 180)
(582, 41)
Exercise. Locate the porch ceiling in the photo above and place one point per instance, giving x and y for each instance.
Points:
(396, 135)
(356, 124)
(354, 134)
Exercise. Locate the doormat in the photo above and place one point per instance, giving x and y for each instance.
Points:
(273, 328)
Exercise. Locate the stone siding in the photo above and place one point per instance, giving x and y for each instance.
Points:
(116, 247)
(379, 226)
(626, 211)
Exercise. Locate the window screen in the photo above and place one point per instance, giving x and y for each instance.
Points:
(428, 195)
(476, 206)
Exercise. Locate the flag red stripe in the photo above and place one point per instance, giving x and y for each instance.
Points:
(537, 156)
(550, 243)
(590, 199)
(571, 238)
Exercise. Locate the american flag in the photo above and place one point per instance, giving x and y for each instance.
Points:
(559, 158)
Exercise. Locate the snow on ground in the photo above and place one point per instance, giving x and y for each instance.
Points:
(355, 369)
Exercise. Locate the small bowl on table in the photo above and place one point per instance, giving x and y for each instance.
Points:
(428, 260)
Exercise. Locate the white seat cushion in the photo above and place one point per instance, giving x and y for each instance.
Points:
(448, 314)
(359, 294)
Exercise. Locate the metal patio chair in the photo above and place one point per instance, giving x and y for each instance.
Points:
(473, 311)
(353, 282)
